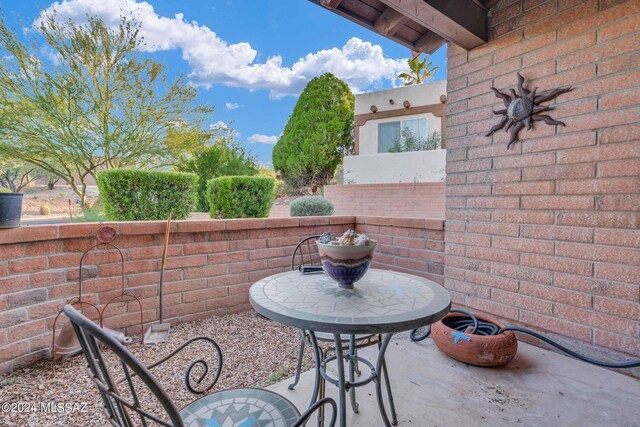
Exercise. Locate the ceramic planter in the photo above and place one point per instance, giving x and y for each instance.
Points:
(346, 264)
(479, 350)
(10, 209)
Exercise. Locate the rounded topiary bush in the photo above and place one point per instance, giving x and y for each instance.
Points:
(311, 206)
(136, 195)
(240, 196)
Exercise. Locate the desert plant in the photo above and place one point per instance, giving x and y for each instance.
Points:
(16, 175)
(311, 206)
(102, 104)
(224, 158)
(318, 133)
(137, 195)
(45, 210)
(240, 196)
(90, 215)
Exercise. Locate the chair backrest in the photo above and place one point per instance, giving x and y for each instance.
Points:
(306, 253)
(123, 410)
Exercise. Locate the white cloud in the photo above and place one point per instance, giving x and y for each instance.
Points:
(258, 138)
(215, 61)
(219, 125)
(231, 106)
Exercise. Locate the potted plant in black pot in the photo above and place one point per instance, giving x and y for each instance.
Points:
(10, 208)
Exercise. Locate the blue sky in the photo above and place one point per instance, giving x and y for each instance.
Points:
(249, 58)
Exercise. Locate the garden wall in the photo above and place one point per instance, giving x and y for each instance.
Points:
(210, 268)
(546, 233)
(401, 200)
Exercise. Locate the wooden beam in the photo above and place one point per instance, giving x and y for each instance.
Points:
(462, 22)
(429, 42)
(362, 21)
(389, 22)
(330, 4)
(435, 109)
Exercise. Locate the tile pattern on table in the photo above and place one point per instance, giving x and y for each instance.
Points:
(240, 408)
(379, 297)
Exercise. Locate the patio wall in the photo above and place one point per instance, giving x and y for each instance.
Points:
(410, 200)
(210, 268)
(547, 233)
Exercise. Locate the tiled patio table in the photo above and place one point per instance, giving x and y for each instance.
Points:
(383, 302)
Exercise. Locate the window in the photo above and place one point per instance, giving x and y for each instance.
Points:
(406, 135)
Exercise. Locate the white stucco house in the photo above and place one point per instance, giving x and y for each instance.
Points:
(398, 136)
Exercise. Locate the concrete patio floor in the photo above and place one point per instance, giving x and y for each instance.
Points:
(537, 388)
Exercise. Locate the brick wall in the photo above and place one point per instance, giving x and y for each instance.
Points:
(547, 233)
(409, 245)
(406, 200)
(210, 268)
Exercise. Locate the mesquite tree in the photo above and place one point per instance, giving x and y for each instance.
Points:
(98, 104)
(318, 133)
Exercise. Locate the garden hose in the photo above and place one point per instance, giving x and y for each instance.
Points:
(487, 329)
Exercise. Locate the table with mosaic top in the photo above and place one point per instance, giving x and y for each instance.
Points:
(382, 302)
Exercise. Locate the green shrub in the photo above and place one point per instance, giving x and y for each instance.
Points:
(136, 195)
(224, 158)
(240, 196)
(90, 215)
(311, 206)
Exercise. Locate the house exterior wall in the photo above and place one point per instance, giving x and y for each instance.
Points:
(416, 166)
(370, 167)
(547, 233)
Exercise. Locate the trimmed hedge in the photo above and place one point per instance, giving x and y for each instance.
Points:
(240, 196)
(137, 195)
(311, 206)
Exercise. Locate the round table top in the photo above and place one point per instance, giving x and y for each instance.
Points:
(382, 301)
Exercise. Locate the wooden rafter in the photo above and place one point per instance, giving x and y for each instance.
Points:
(389, 22)
(330, 4)
(463, 22)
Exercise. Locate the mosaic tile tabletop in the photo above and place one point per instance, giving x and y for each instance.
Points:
(240, 408)
(382, 301)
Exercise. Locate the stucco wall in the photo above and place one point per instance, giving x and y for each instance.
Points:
(415, 166)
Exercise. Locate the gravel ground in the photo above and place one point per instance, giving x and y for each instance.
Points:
(256, 353)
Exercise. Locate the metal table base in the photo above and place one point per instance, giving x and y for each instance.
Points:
(378, 374)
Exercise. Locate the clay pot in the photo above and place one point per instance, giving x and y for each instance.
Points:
(480, 350)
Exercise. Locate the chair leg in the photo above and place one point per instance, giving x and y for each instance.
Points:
(300, 356)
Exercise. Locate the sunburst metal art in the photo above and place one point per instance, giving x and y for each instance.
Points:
(523, 108)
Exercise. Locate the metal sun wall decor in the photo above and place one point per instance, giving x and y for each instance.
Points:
(523, 108)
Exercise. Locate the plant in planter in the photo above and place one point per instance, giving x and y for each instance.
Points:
(347, 258)
(10, 209)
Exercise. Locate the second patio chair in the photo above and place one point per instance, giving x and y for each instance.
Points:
(124, 402)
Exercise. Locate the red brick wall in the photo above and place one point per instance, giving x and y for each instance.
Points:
(547, 233)
(210, 268)
(405, 200)
(409, 245)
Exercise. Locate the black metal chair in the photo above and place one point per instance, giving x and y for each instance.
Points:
(306, 259)
(123, 404)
